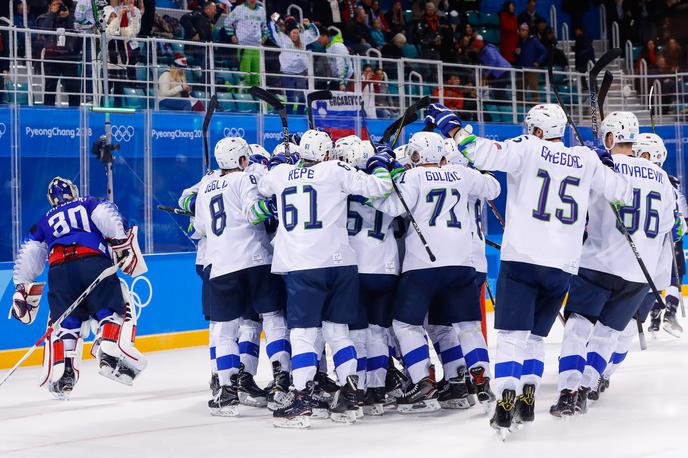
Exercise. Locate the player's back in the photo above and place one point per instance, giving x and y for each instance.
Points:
(372, 237)
(648, 219)
(221, 207)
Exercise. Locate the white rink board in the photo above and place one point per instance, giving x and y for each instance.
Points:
(165, 415)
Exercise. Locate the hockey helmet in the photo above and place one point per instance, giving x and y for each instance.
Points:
(623, 125)
(343, 145)
(61, 190)
(360, 153)
(315, 145)
(258, 149)
(279, 149)
(428, 145)
(548, 117)
(653, 145)
(229, 150)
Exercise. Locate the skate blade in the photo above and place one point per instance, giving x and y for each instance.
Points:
(228, 411)
(248, 400)
(673, 332)
(349, 417)
(430, 405)
(502, 433)
(320, 414)
(461, 404)
(359, 413)
(395, 393)
(299, 422)
(471, 400)
(116, 376)
(487, 406)
(64, 396)
(374, 410)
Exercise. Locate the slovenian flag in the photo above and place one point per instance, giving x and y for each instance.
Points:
(340, 115)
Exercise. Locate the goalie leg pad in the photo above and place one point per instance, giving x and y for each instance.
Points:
(62, 358)
(117, 357)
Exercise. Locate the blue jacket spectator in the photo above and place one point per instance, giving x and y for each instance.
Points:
(489, 56)
(531, 52)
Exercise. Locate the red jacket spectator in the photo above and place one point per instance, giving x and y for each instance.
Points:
(509, 35)
(453, 93)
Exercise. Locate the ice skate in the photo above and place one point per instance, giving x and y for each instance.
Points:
(420, 397)
(320, 403)
(214, 384)
(279, 387)
(566, 404)
(250, 394)
(344, 404)
(115, 369)
(504, 413)
(582, 400)
(524, 411)
(374, 401)
(482, 388)
(655, 322)
(454, 392)
(225, 403)
(594, 393)
(394, 383)
(62, 389)
(325, 383)
(670, 323)
(296, 411)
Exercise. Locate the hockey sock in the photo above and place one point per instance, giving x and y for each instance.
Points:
(577, 332)
(249, 344)
(359, 337)
(473, 344)
(414, 349)
(343, 351)
(393, 343)
(226, 350)
(304, 359)
(212, 347)
(509, 357)
(534, 361)
(378, 356)
(277, 339)
(447, 347)
(600, 348)
(623, 344)
(69, 332)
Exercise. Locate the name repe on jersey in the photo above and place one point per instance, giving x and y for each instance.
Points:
(223, 208)
(438, 200)
(312, 212)
(648, 219)
(548, 193)
(372, 238)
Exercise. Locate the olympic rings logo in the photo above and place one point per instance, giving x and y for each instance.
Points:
(234, 132)
(3, 129)
(122, 133)
(135, 295)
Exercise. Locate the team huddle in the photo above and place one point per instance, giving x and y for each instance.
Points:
(378, 254)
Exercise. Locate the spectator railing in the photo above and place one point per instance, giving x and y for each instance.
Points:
(616, 38)
(213, 68)
(298, 10)
(553, 20)
(628, 57)
(603, 25)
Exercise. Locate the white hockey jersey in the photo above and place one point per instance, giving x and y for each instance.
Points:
(437, 198)
(312, 212)
(371, 235)
(548, 193)
(649, 219)
(475, 209)
(185, 200)
(223, 211)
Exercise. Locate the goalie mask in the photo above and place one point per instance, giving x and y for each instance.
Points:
(61, 190)
(653, 145)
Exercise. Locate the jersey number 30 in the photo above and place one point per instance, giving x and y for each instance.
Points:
(64, 221)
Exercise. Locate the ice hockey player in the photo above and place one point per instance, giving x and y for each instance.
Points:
(436, 195)
(371, 234)
(609, 286)
(237, 251)
(76, 236)
(343, 147)
(548, 192)
(312, 248)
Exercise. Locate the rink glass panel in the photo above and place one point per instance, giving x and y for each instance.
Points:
(5, 184)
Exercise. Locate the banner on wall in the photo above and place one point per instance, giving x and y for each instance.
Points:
(339, 115)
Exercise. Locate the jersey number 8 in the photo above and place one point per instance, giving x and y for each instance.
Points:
(218, 215)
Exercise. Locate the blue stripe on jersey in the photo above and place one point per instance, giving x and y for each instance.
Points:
(377, 362)
(277, 346)
(228, 362)
(508, 369)
(212, 353)
(597, 362)
(361, 364)
(533, 366)
(304, 360)
(478, 355)
(344, 355)
(249, 348)
(617, 358)
(421, 353)
(451, 354)
(571, 363)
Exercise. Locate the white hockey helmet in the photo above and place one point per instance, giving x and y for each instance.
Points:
(400, 152)
(342, 146)
(453, 154)
(428, 145)
(360, 153)
(653, 145)
(257, 149)
(315, 145)
(623, 125)
(549, 117)
(229, 151)
(279, 149)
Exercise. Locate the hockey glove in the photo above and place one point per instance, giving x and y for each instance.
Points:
(605, 157)
(189, 203)
(382, 160)
(442, 117)
(258, 159)
(677, 231)
(263, 210)
(128, 249)
(675, 182)
(384, 148)
(25, 302)
(295, 139)
(396, 170)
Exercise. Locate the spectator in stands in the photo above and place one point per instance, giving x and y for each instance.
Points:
(530, 15)
(83, 16)
(576, 8)
(19, 23)
(348, 9)
(383, 103)
(452, 93)
(341, 66)
(392, 50)
(357, 33)
(293, 60)
(530, 54)
(429, 33)
(377, 34)
(122, 25)
(147, 8)
(465, 51)
(508, 28)
(61, 57)
(130, 26)
(173, 89)
(650, 54)
(368, 91)
(198, 25)
(668, 85)
(674, 55)
(395, 18)
(378, 14)
(246, 26)
(489, 56)
(584, 53)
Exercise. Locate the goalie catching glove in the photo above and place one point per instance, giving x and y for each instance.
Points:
(25, 302)
(128, 249)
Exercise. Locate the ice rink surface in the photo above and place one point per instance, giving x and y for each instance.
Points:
(165, 415)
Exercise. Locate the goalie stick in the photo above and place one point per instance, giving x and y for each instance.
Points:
(212, 105)
(274, 102)
(314, 97)
(56, 324)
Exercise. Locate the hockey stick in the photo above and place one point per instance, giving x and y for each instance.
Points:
(404, 121)
(606, 59)
(212, 105)
(489, 293)
(496, 213)
(56, 324)
(431, 255)
(314, 97)
(175, 210)
(494, 245)
(652, 110)
(392, 128)
(607, 80)
(274, 102)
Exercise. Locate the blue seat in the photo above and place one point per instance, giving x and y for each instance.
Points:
(245, 103)
(22, 94)
(409, 51)
(473, 18)
(134, 98)
(226, 101)
(489, 20)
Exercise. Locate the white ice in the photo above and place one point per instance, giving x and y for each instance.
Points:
(165, 415)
